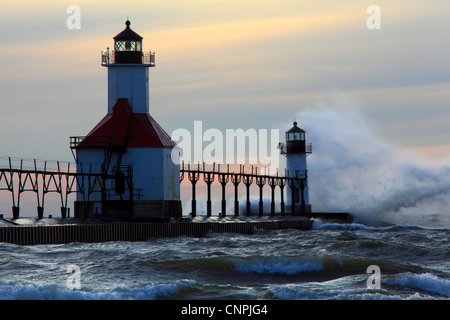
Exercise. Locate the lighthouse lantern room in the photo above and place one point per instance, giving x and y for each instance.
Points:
(130, 149)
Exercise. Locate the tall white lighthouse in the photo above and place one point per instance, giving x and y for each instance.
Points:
(296, 150)
(128, 147)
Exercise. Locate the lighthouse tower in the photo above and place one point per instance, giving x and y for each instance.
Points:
(128, 150)
(296, 150)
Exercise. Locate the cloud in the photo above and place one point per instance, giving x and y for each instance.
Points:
(233, 65)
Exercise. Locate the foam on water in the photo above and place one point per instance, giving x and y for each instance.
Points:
(354, 287)
(425, 282)
(14, 291)
(319, 225)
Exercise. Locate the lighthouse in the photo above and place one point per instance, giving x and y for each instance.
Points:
(295, 149)
(130, 150)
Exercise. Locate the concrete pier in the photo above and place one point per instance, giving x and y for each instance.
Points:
(29, 231)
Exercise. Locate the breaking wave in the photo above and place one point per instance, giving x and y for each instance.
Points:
(319, 225)
(425, 282)
(279, 267)
(413, 286)
(353, 170)
(12, 291)
(314, 267)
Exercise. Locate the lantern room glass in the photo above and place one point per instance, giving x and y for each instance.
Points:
(295, 136)
(128, 45)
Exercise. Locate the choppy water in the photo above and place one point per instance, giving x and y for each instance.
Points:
(328, 262)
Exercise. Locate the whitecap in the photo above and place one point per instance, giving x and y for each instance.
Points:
(426, 282)
(14, 291)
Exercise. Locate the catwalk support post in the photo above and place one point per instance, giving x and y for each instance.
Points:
(282, 183)
(236, 179)
(223, 179)
(293, 185)
(193, 178)
(248, 180)
(260, 182)
(272, 181)
(208, 177)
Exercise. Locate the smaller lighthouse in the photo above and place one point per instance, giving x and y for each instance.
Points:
(296, 150)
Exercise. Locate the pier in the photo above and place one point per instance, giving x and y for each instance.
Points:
(60, 231)
(43, 177)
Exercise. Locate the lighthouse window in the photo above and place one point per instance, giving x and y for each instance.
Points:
(295, 136)
(290, 136)
(119, 46)
(128, 45)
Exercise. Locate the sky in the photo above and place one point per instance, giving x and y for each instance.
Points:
(230, 64)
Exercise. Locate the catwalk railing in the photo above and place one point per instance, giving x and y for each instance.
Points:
(248, 176)
(42, 177)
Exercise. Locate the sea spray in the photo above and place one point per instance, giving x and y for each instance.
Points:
(352, 169)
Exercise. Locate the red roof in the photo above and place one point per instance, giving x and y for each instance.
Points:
(138, 130)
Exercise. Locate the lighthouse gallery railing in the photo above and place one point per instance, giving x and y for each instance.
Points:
(108, 57)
